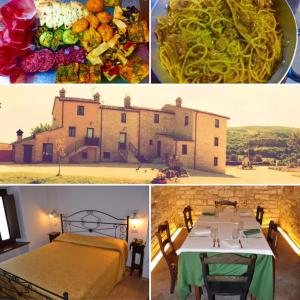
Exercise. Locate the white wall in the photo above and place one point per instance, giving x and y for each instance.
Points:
(32, 211)
(34, 203)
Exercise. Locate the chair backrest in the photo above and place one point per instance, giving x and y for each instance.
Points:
(164, 238)
(225, 203)
(272, 235)
(187, 214)
(259, 214)
(242, 281)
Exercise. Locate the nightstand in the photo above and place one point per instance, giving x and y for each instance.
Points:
(137, 247)
(53, 235)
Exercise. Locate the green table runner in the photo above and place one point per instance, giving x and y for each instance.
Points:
(190, 273)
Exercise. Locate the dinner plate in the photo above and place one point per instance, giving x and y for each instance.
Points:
(49, 77)
(287, 22)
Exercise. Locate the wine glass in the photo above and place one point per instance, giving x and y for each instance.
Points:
(214, 232)
(235, 231)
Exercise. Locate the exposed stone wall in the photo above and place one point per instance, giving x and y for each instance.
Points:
(111, 128)
(290, 213)
(205, 148)
(162, 210)
(149, 131)
(168, 202)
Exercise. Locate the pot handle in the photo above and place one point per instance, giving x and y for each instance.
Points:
(292, 74)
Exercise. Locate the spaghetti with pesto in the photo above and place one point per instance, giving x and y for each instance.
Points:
(219, 41)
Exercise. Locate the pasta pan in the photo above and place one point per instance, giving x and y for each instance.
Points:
(286, 20)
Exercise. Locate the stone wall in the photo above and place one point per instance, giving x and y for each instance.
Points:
(162, 210)
(289, 219)
(168, 203)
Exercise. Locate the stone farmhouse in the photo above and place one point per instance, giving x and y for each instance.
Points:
(86, 131)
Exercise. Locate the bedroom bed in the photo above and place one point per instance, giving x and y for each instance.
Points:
(73, 266)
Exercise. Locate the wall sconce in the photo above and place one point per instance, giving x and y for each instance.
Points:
(53, 213)
(53, 217)
(135, 221)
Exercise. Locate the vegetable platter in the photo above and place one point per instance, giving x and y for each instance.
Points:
(89, 41)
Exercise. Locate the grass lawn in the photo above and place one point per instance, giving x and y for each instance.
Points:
(36, 178)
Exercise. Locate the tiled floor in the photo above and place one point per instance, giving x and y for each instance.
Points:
(130, 288)
(287, 275)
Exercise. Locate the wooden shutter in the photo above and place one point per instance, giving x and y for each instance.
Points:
(12, 217)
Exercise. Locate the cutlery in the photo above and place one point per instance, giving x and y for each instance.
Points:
(218, 240)
(240, 243)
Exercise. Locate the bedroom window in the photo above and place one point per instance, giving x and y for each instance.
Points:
(186, 120)
(80, 110)
(106, 155)
(9, 226)
(72, 131)
(216, 141)
(4, 231)
(217, 123)
(123, 118)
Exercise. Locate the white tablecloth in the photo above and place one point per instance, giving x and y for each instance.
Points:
(224, 222)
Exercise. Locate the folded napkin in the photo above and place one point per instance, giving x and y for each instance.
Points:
(250, 232)
(208, 213)
(202, 231)
(230, 244)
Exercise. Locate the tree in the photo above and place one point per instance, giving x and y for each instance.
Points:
(40, 128)
(294, 141)
(60, 146)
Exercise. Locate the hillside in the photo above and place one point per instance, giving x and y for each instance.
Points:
(267, 143)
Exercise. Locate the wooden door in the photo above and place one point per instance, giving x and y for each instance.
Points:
(158, 149)
(47, 152)
(90, 133)
(27, 155)
(122, 140)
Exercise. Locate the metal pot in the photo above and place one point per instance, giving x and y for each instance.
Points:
(288, 25)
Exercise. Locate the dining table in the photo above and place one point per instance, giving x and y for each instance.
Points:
(226, 231)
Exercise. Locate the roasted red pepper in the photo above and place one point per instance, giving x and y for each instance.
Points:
(128, 45)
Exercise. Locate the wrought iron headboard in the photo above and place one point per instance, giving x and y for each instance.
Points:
(95, 221)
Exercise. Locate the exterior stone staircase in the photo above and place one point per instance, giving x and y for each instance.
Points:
(124, 154)
(130, 154)
(79, 146)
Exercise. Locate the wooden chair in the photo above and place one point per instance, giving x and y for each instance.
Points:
(170, 255)
(187, 214)
(272, 235)
(225, 203)
(227, 285)
(259, 214)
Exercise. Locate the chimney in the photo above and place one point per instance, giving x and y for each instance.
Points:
(178, 102)
(97, 97)
(19, 135)
(127, 101)
(62, 93)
